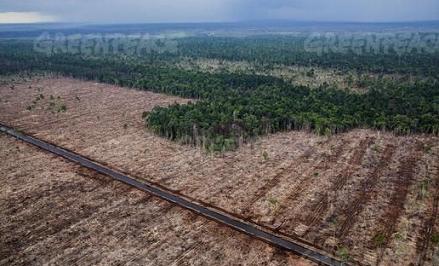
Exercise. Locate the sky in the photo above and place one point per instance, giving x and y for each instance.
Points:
(137, 11)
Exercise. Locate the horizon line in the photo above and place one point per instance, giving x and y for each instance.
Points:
(97, 23)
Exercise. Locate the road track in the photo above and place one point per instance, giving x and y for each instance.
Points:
(253, 230)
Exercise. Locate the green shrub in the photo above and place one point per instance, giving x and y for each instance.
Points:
(435, 239)
(343, 254)
(379, 240)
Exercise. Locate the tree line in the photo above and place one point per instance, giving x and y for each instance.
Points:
(233, 108)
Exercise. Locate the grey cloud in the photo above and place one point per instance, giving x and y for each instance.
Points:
(341, 10)
(226, 10)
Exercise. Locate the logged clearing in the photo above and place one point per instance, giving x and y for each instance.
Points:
(312, 77)
(364, 195)
(56, 213)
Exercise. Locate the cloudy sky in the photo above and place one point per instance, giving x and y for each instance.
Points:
(128, 11)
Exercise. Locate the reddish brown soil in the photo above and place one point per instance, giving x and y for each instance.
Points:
(53, 212)
(322, 203)
(338, 192)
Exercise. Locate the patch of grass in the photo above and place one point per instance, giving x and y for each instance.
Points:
(399, 236)
(435, 239)
(343, 254)
(428, 148)
(272, 201)
(62, 108)
(333, 220)
(56, 105)
(423, 189)
(265, 155)
(375, 148)
(274, 205)
(379, 240)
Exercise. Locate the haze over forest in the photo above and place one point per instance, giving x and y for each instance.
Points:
(132, 11)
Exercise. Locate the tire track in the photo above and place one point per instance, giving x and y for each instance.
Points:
(402, 183)
(423, 244)
(12, 246)
(321, 206)
(220, 185)
(264, 190)
(304, 184)
(356, 206)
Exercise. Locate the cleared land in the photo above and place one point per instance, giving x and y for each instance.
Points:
(54, 212)
(311, 77)
(366, 195)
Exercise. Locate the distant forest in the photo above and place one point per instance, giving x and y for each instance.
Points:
(232, 108)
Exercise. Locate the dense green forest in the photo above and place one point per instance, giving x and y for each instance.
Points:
(231, 108)
(267, 51)
(266, 108)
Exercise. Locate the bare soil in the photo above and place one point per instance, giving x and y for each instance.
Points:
(365, 195)
(53, 212)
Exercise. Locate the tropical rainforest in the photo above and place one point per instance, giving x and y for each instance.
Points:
(230, 108)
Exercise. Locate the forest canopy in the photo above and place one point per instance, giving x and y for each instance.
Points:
(231, 108)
